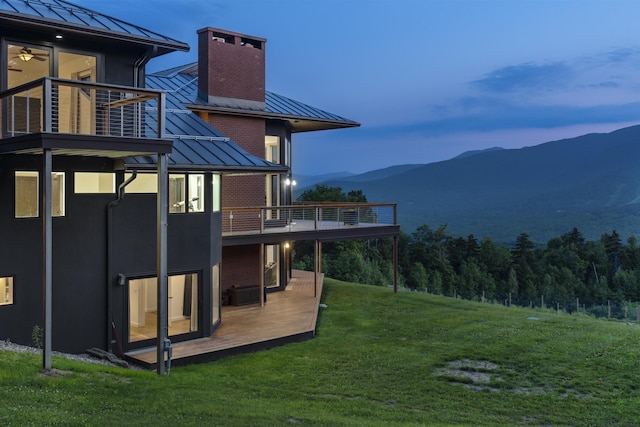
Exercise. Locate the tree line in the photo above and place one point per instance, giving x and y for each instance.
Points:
(565, 270)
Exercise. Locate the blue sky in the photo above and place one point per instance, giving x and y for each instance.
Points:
(428, 79)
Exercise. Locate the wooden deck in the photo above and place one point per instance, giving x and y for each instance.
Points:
(287, 316)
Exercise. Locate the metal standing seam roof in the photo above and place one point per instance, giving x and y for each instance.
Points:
(186, 83)
(196, 144)
(60, 14)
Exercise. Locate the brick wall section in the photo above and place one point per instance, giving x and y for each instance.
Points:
(240, 266)
(239, 191)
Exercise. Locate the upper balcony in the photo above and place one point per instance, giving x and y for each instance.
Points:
(303, 221)
(82, 118)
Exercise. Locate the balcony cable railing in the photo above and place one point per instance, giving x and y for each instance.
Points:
(306, 217)
(52, 105)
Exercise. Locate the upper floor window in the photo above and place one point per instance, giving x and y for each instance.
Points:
(26, 63)
(272, 149)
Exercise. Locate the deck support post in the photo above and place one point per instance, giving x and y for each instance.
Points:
(47, 246)
(316, 261)
(395, 264)
(262, 289)
(163, 343)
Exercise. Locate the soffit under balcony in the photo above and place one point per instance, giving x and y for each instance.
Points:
(84, 145)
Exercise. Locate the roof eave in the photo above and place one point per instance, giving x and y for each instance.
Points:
(166, 45)
(323, 124)
(211, 168)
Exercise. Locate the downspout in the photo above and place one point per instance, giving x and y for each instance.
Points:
(110, 283)
(142, 62)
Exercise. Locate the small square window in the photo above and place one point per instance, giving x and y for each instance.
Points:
(6, 290)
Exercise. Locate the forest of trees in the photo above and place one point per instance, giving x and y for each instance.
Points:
(567, 271)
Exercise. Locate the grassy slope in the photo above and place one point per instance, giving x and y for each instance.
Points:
(372, 363)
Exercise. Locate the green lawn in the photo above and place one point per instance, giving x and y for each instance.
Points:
(378, 359)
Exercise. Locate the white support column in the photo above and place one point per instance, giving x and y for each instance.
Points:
(163, 283)
(47, 244)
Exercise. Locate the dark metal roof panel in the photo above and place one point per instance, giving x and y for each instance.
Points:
(80, 18)
(286, 106)
(204, 154)
(185, 86)
(196, 144)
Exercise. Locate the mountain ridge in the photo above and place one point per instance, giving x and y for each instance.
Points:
(540, 189)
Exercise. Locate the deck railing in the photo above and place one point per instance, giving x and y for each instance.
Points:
(307, 217)
(52, 105)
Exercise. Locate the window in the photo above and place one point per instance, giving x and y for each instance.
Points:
(26, 195)
(182, 306)
(57, 194)
(27, 63)
(215, 293)
(177, 193)
(94, 183)
(78, 115)
(196, 193)
(6, 290)
(272, 149)
(216, 193)
(145, 183)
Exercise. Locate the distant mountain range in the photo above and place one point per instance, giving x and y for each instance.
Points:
(591, 182)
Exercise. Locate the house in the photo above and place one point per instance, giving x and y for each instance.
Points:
(136, 206)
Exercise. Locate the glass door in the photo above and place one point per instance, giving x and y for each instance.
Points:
(182, 307)
(272, 266)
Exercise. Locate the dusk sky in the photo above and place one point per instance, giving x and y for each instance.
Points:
(427, 79)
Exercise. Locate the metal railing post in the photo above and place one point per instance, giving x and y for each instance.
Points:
(47, 111)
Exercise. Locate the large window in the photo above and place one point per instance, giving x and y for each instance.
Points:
(27, 194)
(6, 290)
(77, 113)
(182, 306)
(26, 63)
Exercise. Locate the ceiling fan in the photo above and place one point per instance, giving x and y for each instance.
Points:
(25, 54)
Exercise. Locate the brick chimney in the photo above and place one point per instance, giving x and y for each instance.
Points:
(231, 68)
